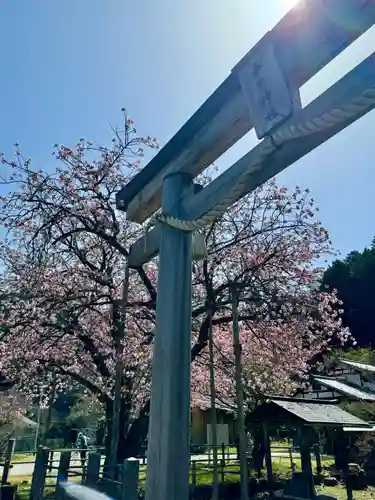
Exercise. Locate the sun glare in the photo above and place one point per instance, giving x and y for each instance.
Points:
(290, 3)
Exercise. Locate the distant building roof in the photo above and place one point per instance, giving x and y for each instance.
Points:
(25, 422)
(358, 366)
(298, 411)
(343, 388)
(17, 420)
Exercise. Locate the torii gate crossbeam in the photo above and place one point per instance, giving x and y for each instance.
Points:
(305, 40)
(343, 91)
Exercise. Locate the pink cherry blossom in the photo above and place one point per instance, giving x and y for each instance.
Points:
(64, 256)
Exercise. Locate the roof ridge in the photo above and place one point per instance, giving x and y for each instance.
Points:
(349, 383)
(351, 361)
(292, 399)
(346, 388)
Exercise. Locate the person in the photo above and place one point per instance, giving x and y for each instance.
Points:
(100, 433)
(82, 445)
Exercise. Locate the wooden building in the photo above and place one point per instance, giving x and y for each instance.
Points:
(343, 380)
(201, 419)
(306, 419)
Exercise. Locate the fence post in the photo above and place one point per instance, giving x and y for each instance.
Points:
(8, 460)
(267, 454)
(292, 466)
(194, 474)
(223, 453)
(93, 469)
(318, 459)
(62, 472)
(39, 474)
(50, 461)
(130, 477)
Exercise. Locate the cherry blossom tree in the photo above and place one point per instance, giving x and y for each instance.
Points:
(11, 405)
(64, 256)
(12, 410)
(267, 246)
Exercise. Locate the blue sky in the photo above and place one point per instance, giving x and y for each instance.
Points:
(69, 66)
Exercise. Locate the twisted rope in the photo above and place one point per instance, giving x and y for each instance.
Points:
(269, 145)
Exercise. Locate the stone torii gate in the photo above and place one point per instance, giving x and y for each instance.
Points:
(262, 91)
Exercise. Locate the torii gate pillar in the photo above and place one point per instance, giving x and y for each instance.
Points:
(169, 428)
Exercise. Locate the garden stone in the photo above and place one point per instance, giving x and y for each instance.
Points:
(330, 481)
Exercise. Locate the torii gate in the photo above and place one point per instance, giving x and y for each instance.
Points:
(261, 91)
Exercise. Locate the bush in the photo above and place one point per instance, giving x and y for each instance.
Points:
(365, 446)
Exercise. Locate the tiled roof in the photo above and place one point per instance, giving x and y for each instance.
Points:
(310, 412)
(321, 413)
(358, 366)
(26, 422)
(346, 389)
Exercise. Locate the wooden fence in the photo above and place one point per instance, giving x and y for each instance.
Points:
(50, 470)
(67, 467)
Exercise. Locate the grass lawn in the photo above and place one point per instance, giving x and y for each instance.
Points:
(340, 493)
(23, 457)
(274, 447)
(20, 457)
(204, 475)
(24, 485)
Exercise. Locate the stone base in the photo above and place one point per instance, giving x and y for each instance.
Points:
(8, 491)
(300, 487)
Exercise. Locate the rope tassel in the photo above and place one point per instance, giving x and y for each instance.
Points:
(199, 250)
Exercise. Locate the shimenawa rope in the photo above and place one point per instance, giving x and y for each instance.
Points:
(269, 145)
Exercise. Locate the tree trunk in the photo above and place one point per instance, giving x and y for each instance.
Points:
(131, 438)
(131, 443)
(109, 423)
(258, 452)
